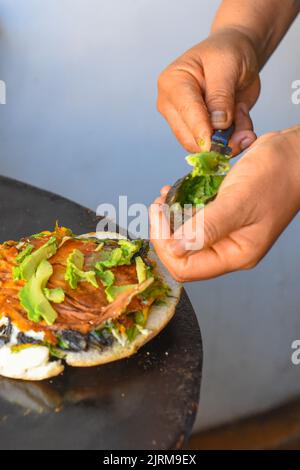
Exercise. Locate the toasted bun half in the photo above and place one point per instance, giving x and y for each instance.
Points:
(33, 363)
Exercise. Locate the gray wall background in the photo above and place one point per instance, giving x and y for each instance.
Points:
(80, 120)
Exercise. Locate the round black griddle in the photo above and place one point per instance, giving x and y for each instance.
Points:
(148, 401)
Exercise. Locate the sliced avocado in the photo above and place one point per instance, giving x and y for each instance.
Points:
(32, 297)
(141, 269)
(74, 272)
(29, 265)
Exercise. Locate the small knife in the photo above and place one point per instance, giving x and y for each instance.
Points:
(220, 140)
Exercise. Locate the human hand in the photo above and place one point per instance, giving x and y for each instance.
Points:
(256, 201)
(210, 86)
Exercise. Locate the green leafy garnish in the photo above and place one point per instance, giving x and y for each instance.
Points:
(131, 333)
(112, 292)
(56, 295)
(157, 290)
(129, 248)
(139, 318)
(40, 235)
(199, 189)
(55, 352)
(74, 271)
(202, 184)
(208, 163)
(120, 256)
(107, 277)
(24, 253)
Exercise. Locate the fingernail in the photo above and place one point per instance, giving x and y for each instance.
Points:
(218, 117)
(245, 143)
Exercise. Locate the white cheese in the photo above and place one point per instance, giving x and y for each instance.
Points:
(37, 335)
(17, 363)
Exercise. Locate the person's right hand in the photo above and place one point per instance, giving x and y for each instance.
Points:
(211, 85)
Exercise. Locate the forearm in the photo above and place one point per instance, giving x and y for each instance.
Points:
(265, 22)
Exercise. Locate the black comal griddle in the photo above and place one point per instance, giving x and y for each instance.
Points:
(148, 401)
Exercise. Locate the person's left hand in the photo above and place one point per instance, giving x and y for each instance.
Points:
(256, 201)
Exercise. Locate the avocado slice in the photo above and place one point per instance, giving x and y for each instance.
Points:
(32, 297)
(141, 269)
(29, 265)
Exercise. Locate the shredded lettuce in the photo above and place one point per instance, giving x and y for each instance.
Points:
(56, 295)
(112, 292)
(157, 290)
(208, 163)
(107, 277)
(202, 184)
(120, 256)
(74, 271)
(132, 332)
(140, 318)
(24, 253)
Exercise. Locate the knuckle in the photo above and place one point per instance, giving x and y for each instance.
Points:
(164, 80)
(218, 97)
(178, 275)
(183, 107)
(249, 264)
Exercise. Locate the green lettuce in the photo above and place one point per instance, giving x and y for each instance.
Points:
(202, 184)
(208, 163)
(107, 277)
(112, 292)
(120, 256)
(74, 272)
(56, 295)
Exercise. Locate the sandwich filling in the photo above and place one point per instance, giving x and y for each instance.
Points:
(68, 293)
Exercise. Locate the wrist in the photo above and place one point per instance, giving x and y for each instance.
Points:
(243, 39)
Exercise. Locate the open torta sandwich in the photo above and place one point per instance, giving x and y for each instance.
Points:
(86, 300)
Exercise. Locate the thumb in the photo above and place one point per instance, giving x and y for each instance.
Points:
(208, 226)
(220, 95)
